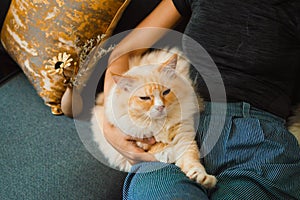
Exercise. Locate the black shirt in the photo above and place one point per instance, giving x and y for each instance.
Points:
(255, 45)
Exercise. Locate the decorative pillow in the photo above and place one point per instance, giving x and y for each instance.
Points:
(50, 38)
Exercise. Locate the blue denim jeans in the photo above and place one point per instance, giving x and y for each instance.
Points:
(254, 157)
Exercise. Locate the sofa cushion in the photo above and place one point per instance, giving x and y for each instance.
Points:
(47, 39)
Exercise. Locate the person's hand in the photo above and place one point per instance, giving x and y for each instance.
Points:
(126, 145)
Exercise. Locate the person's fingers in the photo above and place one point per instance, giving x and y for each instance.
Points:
(126, 145)
(133, 153)
(112, 129)
(150, 140)
(137, 155)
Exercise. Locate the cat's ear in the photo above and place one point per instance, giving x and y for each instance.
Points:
(168, 67)
(171, 62)
(125, 83)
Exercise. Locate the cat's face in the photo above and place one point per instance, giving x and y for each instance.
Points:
(148, 90)
(152, 101)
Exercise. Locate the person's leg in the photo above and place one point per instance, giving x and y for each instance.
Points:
(271, 172)
(254, 158)
(160, 181)
(246, 184)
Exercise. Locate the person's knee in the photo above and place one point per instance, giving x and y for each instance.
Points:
(155, 180)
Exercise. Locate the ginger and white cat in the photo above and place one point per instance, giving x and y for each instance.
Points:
(155, 98)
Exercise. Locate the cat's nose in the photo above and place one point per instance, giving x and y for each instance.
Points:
(160, 108)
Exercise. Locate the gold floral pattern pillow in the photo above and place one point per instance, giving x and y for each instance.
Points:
(47, 37)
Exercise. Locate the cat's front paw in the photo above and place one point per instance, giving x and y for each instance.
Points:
(197, 174)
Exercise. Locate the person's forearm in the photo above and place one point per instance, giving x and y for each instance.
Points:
(118, 66)
(149, 31)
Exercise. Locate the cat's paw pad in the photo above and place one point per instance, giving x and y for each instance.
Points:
(197, 174)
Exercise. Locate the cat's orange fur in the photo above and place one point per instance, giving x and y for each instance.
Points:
(155, 98)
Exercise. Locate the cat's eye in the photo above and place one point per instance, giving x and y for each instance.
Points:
(145, 98)
(166, 92)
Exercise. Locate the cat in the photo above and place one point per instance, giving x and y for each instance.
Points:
(155, 97)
